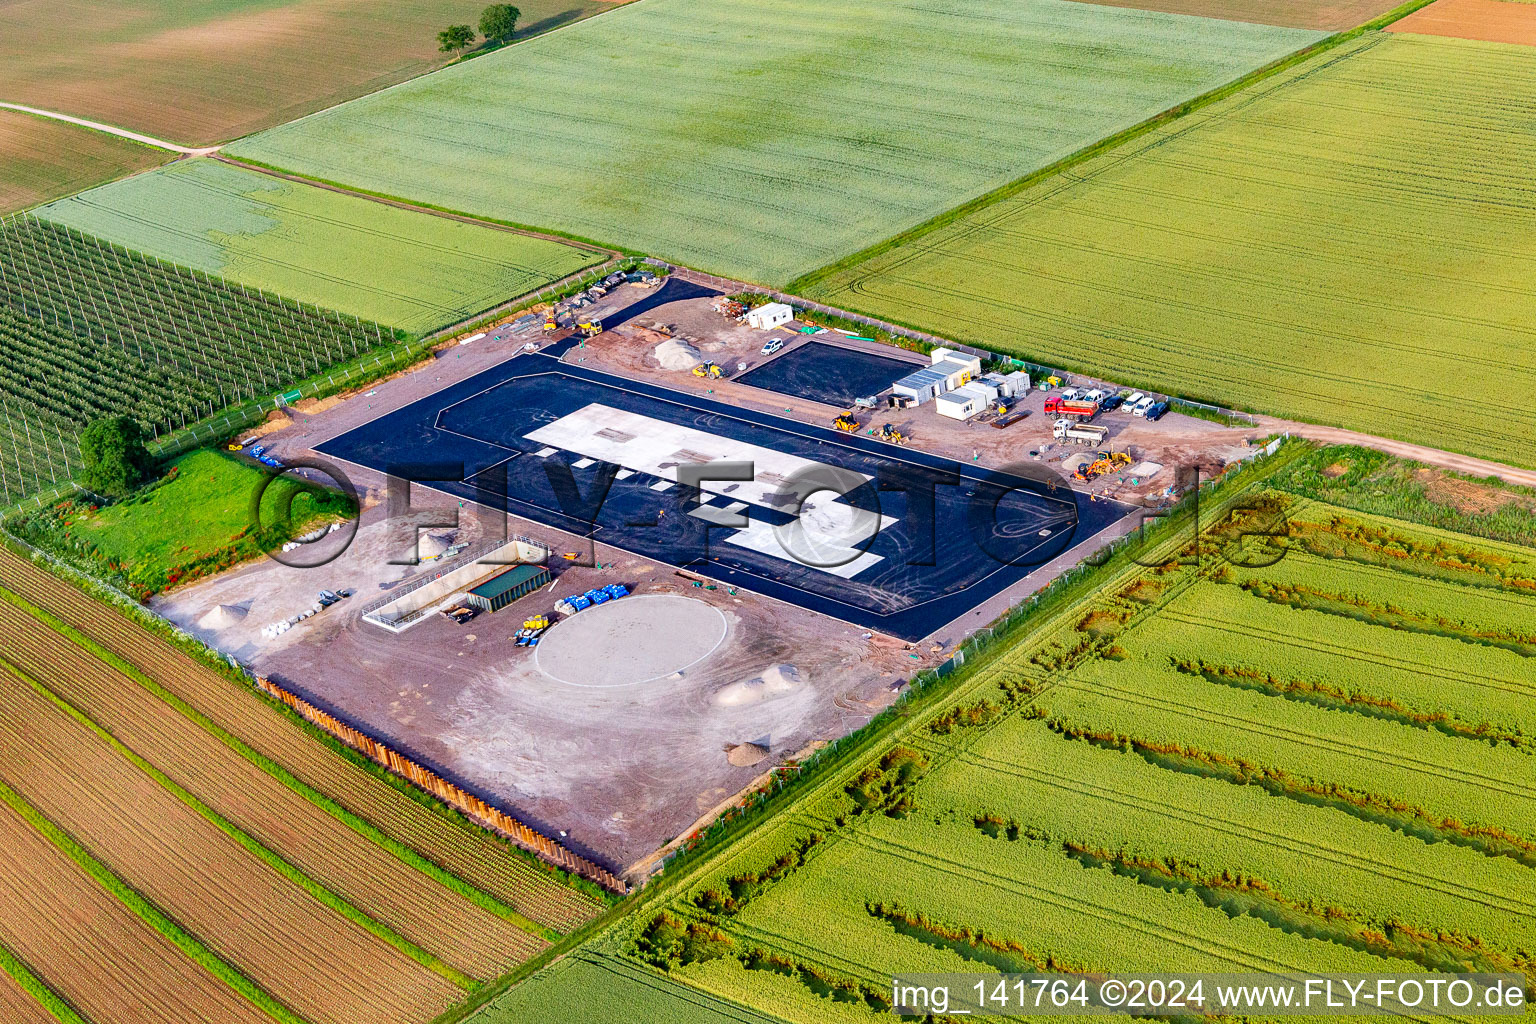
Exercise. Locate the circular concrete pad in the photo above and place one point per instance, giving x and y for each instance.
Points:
(632, 640)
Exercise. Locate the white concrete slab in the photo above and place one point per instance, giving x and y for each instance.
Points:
(764, 539)
(545, 453)
(828, 533)
(715, 514)
(583, 463)
(654, 446)
(624, 474)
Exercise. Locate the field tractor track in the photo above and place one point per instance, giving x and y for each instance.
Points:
(1456, 889)
(1244, 629)
(1306, 739)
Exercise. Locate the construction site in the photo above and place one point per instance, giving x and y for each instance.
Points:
(569, 627)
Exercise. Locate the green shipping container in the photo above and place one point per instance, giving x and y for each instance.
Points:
(499, 591)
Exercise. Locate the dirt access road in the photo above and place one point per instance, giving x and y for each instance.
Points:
(1466, 464)
(124, 133)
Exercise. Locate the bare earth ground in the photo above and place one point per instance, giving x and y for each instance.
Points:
(1493, 21)
(217, 70)
(1171, 442)
(42, 159)
(625, 769)
(1328, 15)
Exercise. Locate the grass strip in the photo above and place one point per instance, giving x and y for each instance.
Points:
(149, 913)
(801, 284)
(39, 989)
(481, 899)
(251, 844)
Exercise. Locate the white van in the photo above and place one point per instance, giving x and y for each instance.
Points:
(1141, 407)
(1129, 405)
(1096, 395)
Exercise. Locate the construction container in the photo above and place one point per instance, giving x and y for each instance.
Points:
(500, 591)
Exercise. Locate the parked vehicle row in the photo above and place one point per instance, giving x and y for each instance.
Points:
(1085, 403)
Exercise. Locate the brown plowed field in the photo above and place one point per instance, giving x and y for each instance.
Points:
(422, 910)
(204, 72)
(306, 955)
(17, 1007)
(1491, 21)
(473, 855)
(91, 949)
(1324, 15)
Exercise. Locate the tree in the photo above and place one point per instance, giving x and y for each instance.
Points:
(114, 454)
(455, 37)
(498, 22)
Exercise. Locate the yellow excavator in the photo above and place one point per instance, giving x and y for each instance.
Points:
(845, 422)
(550, 324)
(1107, 462)
(710, 370)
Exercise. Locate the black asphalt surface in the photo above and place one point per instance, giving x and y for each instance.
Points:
(978, 533)
(829, 374)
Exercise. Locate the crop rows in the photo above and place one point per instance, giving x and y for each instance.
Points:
(1333, 244)
(1076, 810)
(293, 946)
(92, 950)
(17, 1004)
(88, 328)
(468, 938)
(767, 161)
(464, 851)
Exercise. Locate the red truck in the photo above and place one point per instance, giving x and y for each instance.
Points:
(1076, 408)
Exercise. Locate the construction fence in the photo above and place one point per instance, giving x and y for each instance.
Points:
(481, 812)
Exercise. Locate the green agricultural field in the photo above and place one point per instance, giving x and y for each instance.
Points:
(194, 520)
(42, 159)
(1301, 744)
(1348, 243)
(203, 71)
(89, 329)
(411, 269)
(763, 140)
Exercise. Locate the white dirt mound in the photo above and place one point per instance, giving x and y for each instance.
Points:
(431, 545)
(776, 681)
(221, 617)
(677, 354)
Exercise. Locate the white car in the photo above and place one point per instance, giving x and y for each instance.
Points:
(773, 346)
(1070, 394)
(1096, 395)
(1141, 407)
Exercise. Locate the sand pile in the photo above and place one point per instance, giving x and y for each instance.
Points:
(776, 681)
(677, 354)
(430, 545)
(221, 617)
(744, 755)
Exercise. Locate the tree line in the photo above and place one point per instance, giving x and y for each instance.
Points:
(498, 23)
